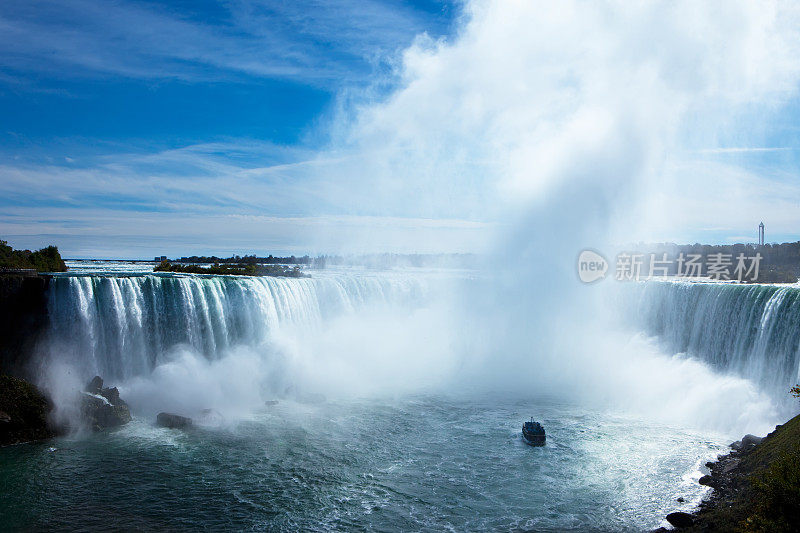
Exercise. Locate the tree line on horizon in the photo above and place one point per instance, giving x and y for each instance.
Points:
(321, 261)
(780, 263)
(47, 259)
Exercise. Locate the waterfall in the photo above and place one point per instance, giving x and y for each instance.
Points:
(120, 326)
(749, 330)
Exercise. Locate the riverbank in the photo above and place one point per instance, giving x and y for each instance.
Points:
(23, 318)
(24, 412)
(756, 487)
(233, 270)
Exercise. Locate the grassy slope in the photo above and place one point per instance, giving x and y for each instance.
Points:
(761, 492)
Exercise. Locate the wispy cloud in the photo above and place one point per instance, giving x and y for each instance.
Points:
(565, 108)
(234, 196)
(312, 42)
(744, 149)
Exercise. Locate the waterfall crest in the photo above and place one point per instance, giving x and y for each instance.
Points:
(123, 326)
(749, 330)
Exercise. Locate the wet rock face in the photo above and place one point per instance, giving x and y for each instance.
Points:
(173, 421)
(680, 519)
(23, 412)
(95, 385)
(747, 442)
(102, 407)
(23, 317)
(750, 440)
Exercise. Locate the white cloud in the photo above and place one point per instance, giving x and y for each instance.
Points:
(313, 43)
(568, 121)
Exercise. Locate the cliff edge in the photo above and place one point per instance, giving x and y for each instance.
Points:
(756, 487)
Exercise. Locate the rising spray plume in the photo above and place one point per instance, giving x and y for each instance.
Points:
(558, 124)
(551, 125)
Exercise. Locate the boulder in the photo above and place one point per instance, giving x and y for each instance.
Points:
(95, 386)
(102, 407)
(173, 421)
(680, 519)
(706, 480)
(24, 412)
(750, 440)
(112, 395)
(101, 414)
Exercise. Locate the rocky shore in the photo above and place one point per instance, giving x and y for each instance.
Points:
(24, 412)
(756, 487)
(23, 318)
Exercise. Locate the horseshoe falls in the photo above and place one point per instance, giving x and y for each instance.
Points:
(370, 400)
(124, 326)
(752, 331)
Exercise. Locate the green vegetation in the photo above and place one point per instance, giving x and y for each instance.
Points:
(23, 412)
(384, 260)
(234, 270)
(247, 260)
(774, 467)
(780, 263)
(45, 260)
(759, 490)
(777, 495)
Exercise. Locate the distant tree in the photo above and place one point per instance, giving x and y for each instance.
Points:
(45, 260)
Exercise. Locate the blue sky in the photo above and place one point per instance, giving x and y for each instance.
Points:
(167, 74)
(136, 128)
(87, 84)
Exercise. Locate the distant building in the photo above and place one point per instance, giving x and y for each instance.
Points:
(761, 234)
(160, 258)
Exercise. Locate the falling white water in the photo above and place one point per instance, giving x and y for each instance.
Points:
(746, 330)
(124, 326)
(185, 343)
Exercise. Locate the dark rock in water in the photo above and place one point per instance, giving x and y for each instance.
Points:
(112, 395)
(705, 480)
(681, 500)
(23, 412)
(100, 413)
(750, 440)
(680, 519)
(173, 421)
(95, 386)
(102, 407)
